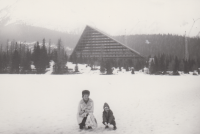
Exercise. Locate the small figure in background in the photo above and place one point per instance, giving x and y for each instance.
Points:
(120, 68)
(76, 68)
(133, 70)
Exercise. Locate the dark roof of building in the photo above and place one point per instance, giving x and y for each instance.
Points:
(112, 39)
(115, 40)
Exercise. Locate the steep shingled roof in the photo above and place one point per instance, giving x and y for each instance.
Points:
(134, 51)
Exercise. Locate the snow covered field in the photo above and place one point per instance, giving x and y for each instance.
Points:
(142, 104)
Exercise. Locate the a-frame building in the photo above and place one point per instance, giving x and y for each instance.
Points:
(94, 44)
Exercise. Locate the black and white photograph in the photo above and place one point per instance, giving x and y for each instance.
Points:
(99, 66)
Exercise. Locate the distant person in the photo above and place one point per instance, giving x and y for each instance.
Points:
(120, 69)
(108, 117)
(146, 70)
(76, 68)
(85, 116)
(133, 70)
(176, 73)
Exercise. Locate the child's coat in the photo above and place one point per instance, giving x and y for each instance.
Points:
(108, 116)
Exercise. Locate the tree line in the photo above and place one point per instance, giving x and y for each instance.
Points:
(168, 44)
(19, 58)
(167, 52)
(163, 63)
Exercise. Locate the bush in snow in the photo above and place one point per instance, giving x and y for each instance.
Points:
(108, 67)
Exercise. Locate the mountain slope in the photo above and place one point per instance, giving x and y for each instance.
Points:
(23, 32)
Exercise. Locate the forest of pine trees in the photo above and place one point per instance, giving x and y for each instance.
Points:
(166, 50)
(19, 58)
(159, 64)
(168, 44)
(59, 56)
(163, 63)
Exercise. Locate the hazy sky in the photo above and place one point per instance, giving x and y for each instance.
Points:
(111, 16)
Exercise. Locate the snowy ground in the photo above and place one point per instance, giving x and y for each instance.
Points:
(142, 104)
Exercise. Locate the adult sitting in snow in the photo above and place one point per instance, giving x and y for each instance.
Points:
(85, 112)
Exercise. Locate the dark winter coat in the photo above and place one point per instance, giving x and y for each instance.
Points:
(108, 116)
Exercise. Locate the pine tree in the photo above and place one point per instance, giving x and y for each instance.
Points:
(176, 65)
(36, 57)
(54, 56)
(15, 62)
(162, 62)
(181, 66)
(43, 58)
(108, 67)
(166, 63)
(66, 57)
(61, 59)
(49, 52)
(195, 66)
(4, 62)
(1, 62)
(156, 64)
(191, 63)
(171, 65)
(102, 66)
(27, 61)
(152, 67)
(186, 68)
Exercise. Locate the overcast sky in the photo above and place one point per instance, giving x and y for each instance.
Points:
(111, 16)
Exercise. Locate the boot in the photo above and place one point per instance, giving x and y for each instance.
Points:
(114, 128)
(81, 126)
(89, 127)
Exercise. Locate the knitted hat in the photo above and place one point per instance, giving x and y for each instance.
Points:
(106, 105)
(85, 92)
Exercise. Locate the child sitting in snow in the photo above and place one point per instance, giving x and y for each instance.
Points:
(108, 117)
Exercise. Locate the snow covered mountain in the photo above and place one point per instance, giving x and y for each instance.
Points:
(15, 26)
(31, 21)
(28, 34)
(72, 16)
